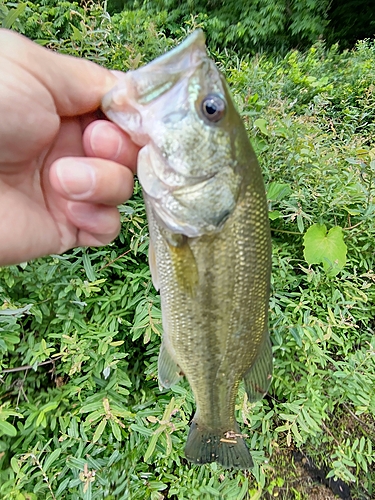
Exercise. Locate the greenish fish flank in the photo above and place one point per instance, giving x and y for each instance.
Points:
(210, 250)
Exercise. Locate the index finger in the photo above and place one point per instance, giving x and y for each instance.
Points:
(103, 139)
(76, 85)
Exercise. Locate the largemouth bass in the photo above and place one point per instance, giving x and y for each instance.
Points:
(209, 239)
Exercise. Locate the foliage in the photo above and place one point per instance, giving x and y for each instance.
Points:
(245, 26)
(350, 20)
(81, 415)
(263, 25)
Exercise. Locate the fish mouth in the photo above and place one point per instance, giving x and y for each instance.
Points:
(157, 77)
(125, 104)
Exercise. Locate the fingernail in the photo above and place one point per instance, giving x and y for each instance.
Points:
(103, 133)
(76, 178)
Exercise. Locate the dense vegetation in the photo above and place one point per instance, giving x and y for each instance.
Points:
(81, 415)
(271, 25)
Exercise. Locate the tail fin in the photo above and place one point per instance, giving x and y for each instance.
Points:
(227, 448)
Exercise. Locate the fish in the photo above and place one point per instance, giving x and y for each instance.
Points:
(210, 245)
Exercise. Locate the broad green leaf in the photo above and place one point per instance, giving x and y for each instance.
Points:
(243, 493)
(157, 485)
(14, 465)
(7, 429)
(257, 495)
(211, 491)
(5, 413)
(261, 123)
(168, 410)
(274, 214)
(325, 248)
(282, 428)
(169, 444)
(296, 433)
(13, 15)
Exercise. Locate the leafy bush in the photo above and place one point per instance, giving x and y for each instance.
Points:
(81, 415)
(245, 26)
(264, 25)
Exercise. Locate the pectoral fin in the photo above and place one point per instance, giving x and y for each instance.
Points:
(258, 378)
(183, 263)
(169, 373)
(152, 264)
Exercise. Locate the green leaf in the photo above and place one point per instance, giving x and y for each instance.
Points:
(41, 420)
(300, 224)
(76, 463)
(261, 123)
(277, 191)
(91, 276)
(62, 487)
(7, 429)
(151, 447)
(49, 406)
(51, 459)
(77, 35)
(90, 407)
(99, 430)
(113, 458)
(157, 485)
(116, 431)
(14, 465)
(144, 431)
(274, 214)
(325, 248)
(12, 16)
(287, 416)
(16, 312)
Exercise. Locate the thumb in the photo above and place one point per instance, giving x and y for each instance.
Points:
(76, 85)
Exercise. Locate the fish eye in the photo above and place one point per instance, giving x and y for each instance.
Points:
(213, 107)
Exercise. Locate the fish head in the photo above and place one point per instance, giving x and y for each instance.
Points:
(179, 110)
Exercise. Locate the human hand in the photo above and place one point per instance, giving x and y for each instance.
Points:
(62, 172)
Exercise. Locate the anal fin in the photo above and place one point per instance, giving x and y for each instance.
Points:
(169, 373)
(258, 378)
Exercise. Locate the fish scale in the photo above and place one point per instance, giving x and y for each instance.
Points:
(210, 251)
